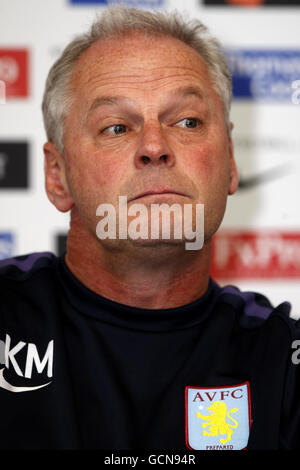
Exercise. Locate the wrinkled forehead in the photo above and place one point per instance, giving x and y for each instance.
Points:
(137, 59)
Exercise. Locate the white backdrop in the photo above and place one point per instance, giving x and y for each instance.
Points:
(266, 135)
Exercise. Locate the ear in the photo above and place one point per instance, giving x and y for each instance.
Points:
(234, 176)
(55, 179)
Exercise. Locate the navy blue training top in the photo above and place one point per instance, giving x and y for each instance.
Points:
(79, 371)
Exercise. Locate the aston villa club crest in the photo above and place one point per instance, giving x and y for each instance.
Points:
(218, 418)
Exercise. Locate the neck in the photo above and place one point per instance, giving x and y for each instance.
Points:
(151, 277)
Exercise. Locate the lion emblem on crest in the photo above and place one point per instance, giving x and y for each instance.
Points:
(216, 421)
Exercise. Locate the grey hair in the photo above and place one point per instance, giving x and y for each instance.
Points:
(114, 22)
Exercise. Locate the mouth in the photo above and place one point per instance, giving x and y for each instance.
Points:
(158, 192)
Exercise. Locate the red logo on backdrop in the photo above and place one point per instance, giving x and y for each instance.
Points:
(262, 254)
(247, 3)
(14, 72)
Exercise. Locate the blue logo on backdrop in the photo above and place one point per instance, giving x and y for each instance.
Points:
(131, 3)
(6, 245)
(264, 75)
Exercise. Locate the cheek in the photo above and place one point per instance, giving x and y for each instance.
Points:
(107, 169)
(209, 165)
(89, 169)
(93, 176)
(209, 169)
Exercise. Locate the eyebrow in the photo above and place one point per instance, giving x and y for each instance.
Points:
(105, 100)
(189, 90)
(183, 92)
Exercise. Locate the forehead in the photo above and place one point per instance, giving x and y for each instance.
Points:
(140, 62)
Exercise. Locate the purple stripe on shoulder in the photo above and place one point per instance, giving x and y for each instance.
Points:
(27, 263)
(252, 308)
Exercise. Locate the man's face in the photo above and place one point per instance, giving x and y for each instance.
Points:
(146, 118)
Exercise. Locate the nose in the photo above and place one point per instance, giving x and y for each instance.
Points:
(153, 148)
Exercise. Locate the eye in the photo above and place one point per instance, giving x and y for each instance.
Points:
(116, 129)
(189, 123)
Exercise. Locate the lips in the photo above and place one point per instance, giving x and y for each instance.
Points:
(153, 192)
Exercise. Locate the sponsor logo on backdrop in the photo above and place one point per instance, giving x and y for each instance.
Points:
(252, 3)
(253, 255)
(289, 146)
(281, 158)
(264, 75)
(258, 179)
(296, 93)
(13, 165)
(7, 244)
(14, 72)
(2, 92)
(132, 3)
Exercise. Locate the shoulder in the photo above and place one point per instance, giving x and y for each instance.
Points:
(21, 268)
(27, 277)
(254, 309)
(28, 292)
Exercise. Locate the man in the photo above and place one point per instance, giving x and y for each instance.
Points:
(125, 342)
